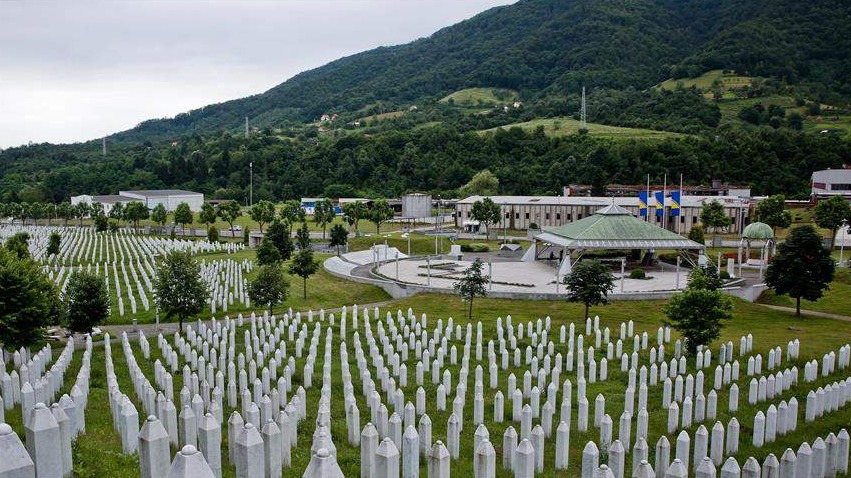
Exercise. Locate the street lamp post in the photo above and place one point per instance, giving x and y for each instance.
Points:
(844, 230)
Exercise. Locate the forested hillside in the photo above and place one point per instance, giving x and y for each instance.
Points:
(775, 109)
(551, 48)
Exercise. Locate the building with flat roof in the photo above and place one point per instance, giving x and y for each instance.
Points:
(169, 198)
(521, 212)
(831, 182)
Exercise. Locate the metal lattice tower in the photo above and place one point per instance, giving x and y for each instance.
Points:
(583, 119)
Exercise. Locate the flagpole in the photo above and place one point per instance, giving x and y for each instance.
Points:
(680, 210)
(664, 193)
(647, 216)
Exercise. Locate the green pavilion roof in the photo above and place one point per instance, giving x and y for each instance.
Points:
(758, 230)
(613, 227)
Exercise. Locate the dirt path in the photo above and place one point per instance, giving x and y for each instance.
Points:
(811, 313)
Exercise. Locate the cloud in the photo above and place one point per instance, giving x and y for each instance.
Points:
(73, 71)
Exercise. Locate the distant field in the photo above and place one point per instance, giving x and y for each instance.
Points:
(707, 80)
(383, 116)
(481, 96)
(731, 108)
(564, 126)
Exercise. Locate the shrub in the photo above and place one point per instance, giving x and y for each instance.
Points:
(637, 274)
(533, 225)
(724, 275)
(475, 247)
(213, 234)
(696, 234)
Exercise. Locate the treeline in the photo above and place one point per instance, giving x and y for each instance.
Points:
(439, 159)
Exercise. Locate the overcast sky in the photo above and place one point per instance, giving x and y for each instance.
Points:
(77, 70)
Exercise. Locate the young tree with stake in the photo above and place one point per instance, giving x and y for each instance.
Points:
(472, 284)
(589, 283)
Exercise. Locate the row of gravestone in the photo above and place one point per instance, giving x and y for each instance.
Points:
(50, 430)
(826, 458)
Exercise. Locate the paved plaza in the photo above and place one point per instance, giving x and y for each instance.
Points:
(521, 277)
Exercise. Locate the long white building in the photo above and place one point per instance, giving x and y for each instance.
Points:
(169, 198)
(520, 212)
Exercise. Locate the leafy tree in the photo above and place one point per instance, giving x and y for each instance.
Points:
(213, 234)
(208, 214)
(96, 209)
(101, 223)
(135, 211)
(354, 212)
(802, 268)
(705, 278)
(589, 283)
(323, 214)
(53, 243)
(159, 215)
(278, 235)
(29, 301)
(113, 226)
(339, 236)
(831, 213)
(270, 287)
(291, 212)
(66, 211)
(380, 213)
(85, 302)
(483, 183)
(486, 212)
(229, 211)
(698, 314)
(183, 216)
(696, 234)
(303, 237)
(83, 210)
(304, 266)
(267, 253)
(19, 244)
(712, 216)
(771, 211)
(472, 284)
(117, 212)
(246, 236)
(263, 212)
(181, 292)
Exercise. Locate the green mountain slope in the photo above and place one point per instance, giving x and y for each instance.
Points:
(551, 47)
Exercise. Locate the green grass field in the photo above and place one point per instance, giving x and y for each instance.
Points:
(835, 301)
(481, 97)
(563, 126)
(706, 81)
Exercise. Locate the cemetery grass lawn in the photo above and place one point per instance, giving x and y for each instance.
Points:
(98, 452)
(837, 300)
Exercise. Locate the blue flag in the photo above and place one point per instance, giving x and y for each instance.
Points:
(675, 203)
(642, 203)
(660, 202)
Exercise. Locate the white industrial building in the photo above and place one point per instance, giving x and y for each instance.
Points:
(169, 198)
(832, 182)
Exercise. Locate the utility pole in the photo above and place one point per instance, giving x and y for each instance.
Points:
(104, 145)
(251, 184)
(246, 126)
(583, 118)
